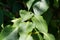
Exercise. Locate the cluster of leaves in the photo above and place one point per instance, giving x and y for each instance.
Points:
(28, 19)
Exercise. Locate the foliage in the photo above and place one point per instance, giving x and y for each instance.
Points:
(29, 20)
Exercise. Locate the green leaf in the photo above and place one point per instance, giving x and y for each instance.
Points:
(40, 7)
(9, 33)
(25, 37)
(40, 37)
(29, 3)
(26, 27)
(40, 23)
(25, 15)
(37, 36)
(25, 30)
(16, 22)
(48, 36)
(29, 37)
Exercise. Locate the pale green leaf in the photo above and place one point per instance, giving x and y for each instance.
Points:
(40, 37)
(13, 35)
(37, 36)
(16, 22)
(40, 7)
(29, 3)
(26, 27)
(48, 36)
(9, 33)
(29, 37)
(25, 15)
(25, 37)
(40, 23)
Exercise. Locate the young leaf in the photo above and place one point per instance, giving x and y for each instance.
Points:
(25, 37)
(29, 3)
(48, 36)
(40, 23)
(25, 15)
(40, 7)
(13, 35)
(37, 36)
(9, 33)
(26, 27)
(16, 22)
(29, 37)
(40, 37)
